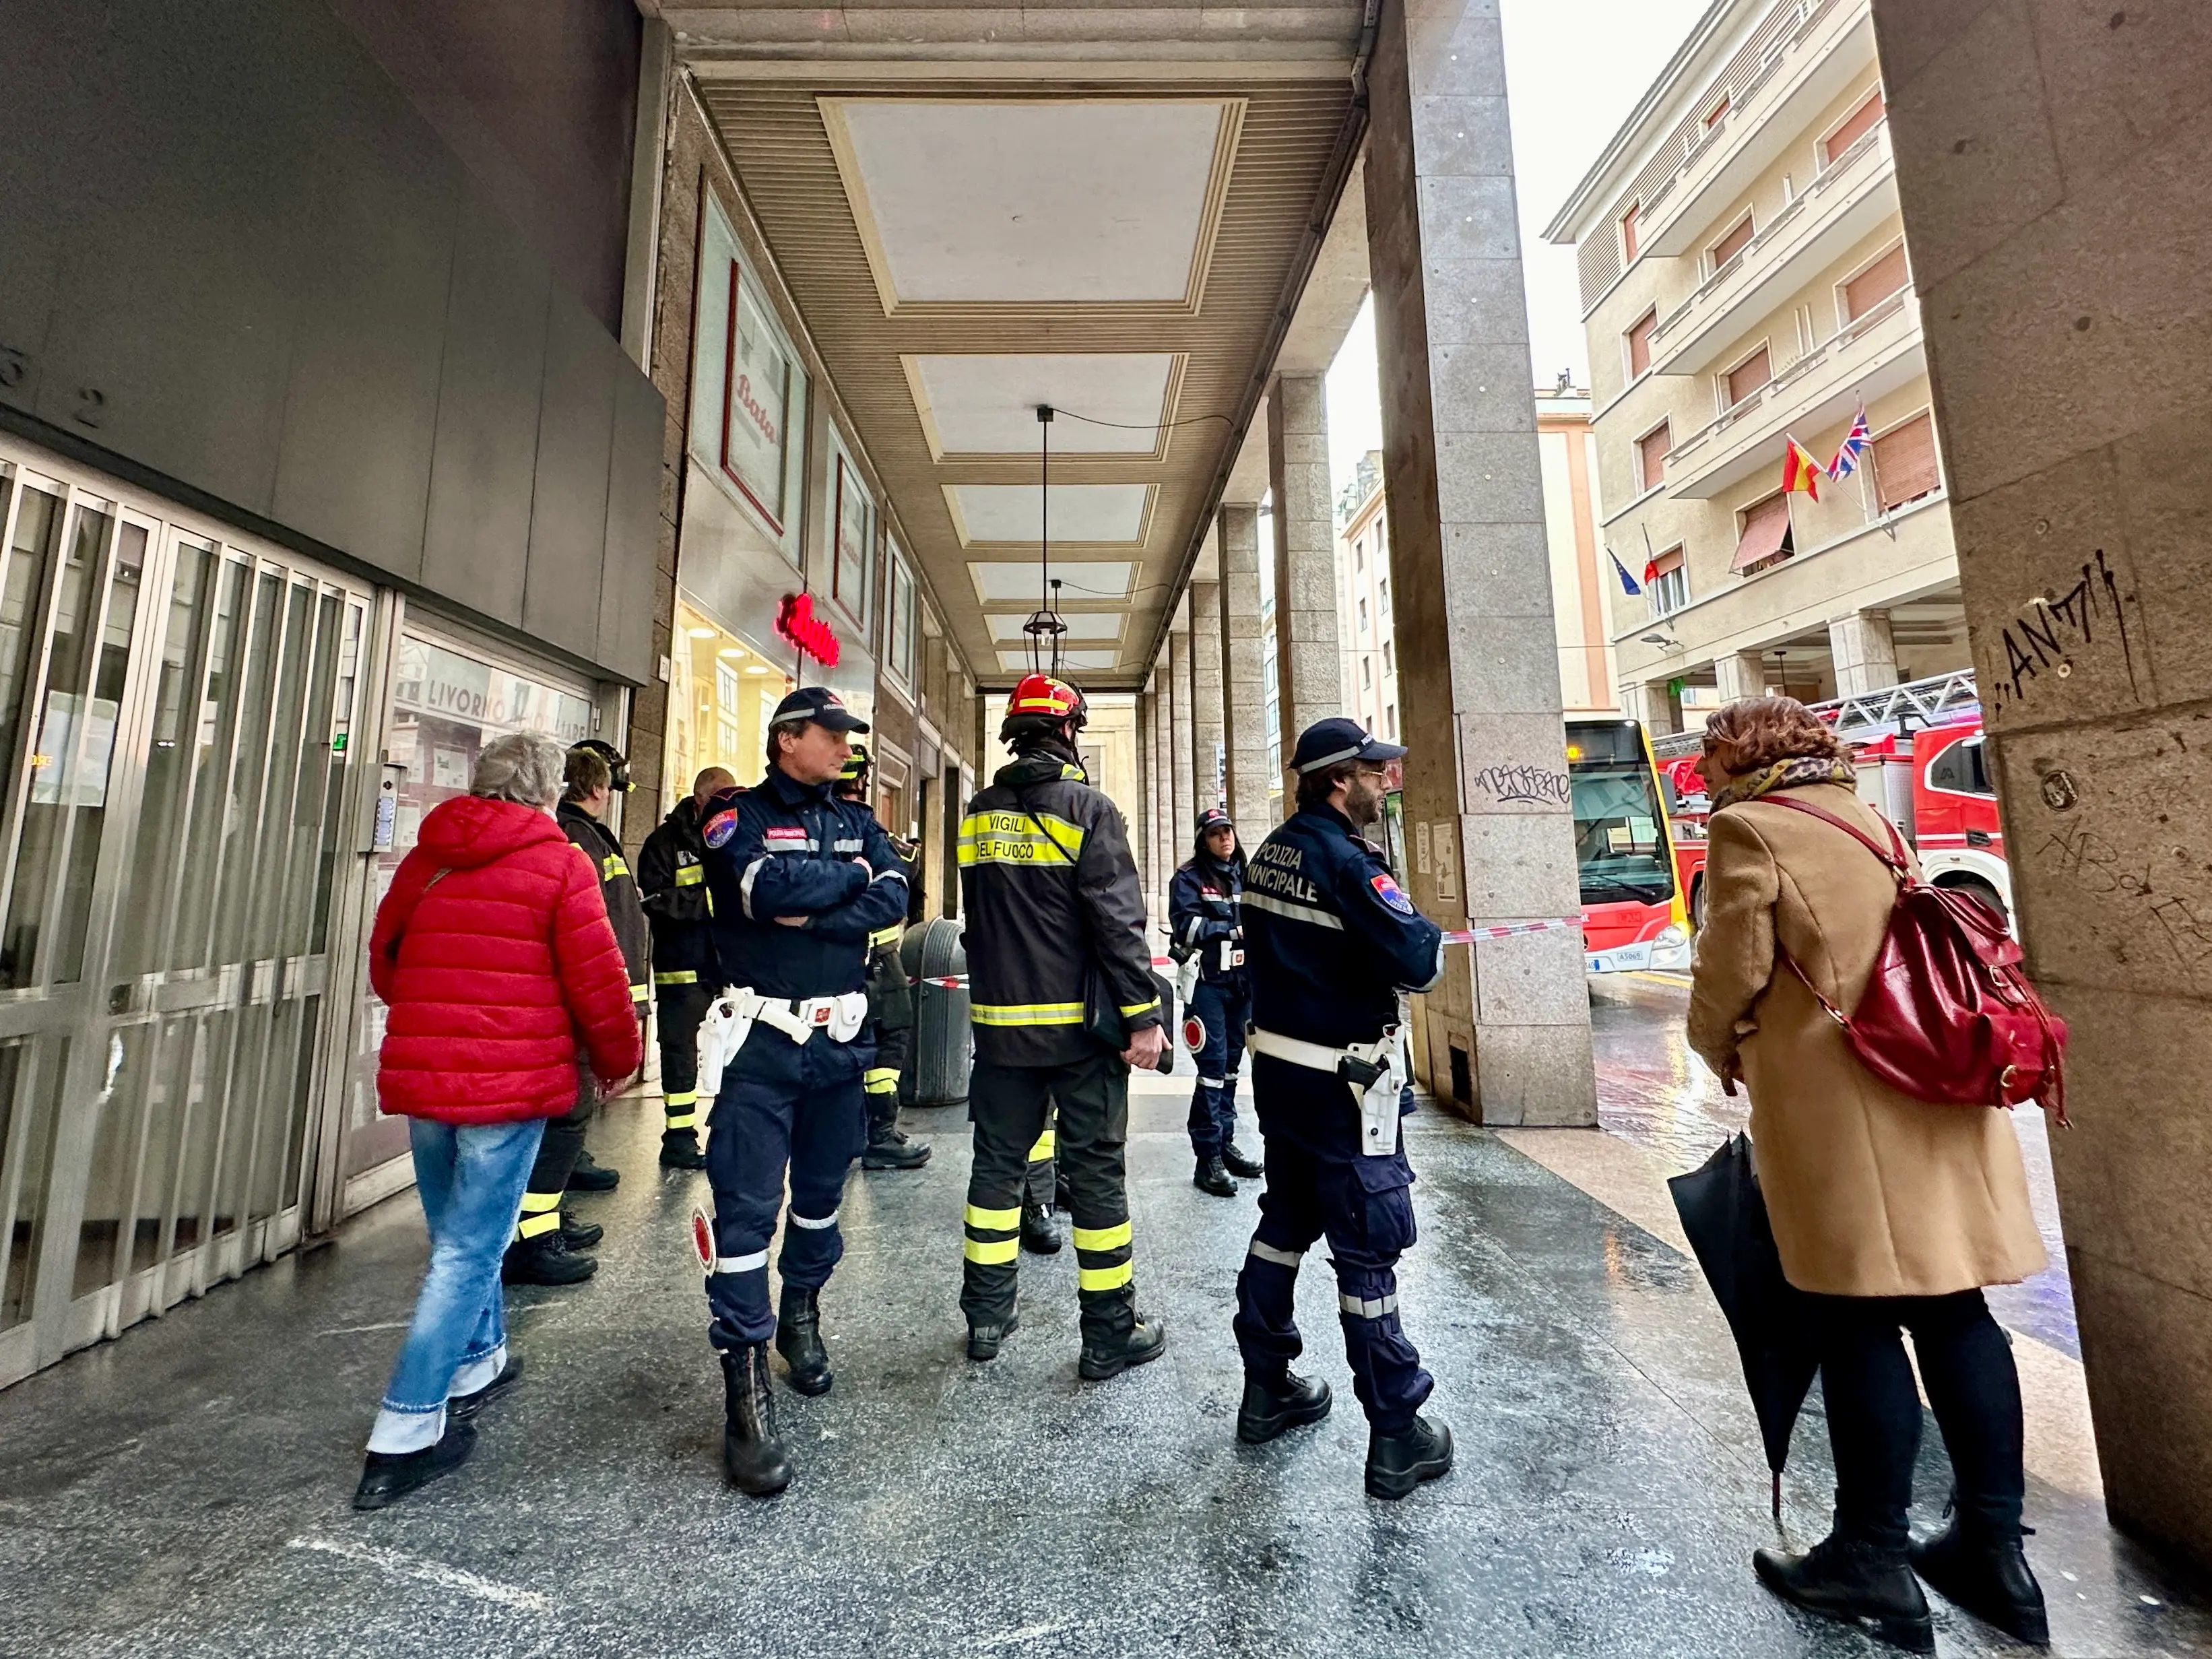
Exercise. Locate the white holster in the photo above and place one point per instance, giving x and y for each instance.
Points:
(732, 1017)
(1377, 1100)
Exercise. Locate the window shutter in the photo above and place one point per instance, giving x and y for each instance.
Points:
(1765, 532)
(1732, 244)
(1746, 377)
(1628, 233)
(1904, 463)
(1860, 122)
(1668, 562)
(1639, 343)
(1875, 284)
(1651, 455)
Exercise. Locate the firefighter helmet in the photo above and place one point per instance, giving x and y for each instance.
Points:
(1043, 699)
(855, 769)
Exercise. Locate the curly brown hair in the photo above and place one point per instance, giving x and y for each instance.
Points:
(1757, 732)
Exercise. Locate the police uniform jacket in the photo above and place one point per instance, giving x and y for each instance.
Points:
(672, 877)
(1055, 917)
(1329, 936)
(618, 888)
(787, 849)
(1204, 900)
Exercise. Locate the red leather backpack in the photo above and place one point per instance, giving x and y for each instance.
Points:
(1948, 1015)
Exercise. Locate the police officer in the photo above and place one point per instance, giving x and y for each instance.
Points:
(1061, 993)
(549, 1247)
(1209, 937)
(672, 879)
(799, 880)
(890, 1004)
(1332, 940)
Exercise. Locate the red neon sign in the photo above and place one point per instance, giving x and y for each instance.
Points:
(797, 624)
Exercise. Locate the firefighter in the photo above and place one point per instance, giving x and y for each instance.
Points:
(1332, 940)
(1063, 1001)
(671, 876)
(891, 1006)
(549, 1247)
(1209, 938)
(799, 881)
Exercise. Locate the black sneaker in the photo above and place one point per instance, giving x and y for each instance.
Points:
(1212, 1176)
(1040, 1232)
(580, 1234)
(679, 1150)
(1989, 1577)
(546, 1260)
(1272, 1404)
(1855, 1584)
(1396, 1463)
(1145, 1341)
(387, 1477)
(464, 1407)
(984, 1341)
(1243, 1168)
(589, 1177)
(894, 1151)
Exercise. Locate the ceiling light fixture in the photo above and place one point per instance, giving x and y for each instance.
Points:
(1045, 622)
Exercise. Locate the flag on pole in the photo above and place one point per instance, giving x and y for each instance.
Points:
(1855, 443)
(1800, 470)
(1628, 583)
(1650, 559)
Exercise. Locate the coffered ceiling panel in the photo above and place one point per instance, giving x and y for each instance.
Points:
(984, 407)
(1017, 582)
(1086, 512)
(1081, 625)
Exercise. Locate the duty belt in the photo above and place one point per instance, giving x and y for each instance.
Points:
(838, 1017)
(1359, 1063)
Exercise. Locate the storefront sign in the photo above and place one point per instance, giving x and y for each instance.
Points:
(797, 624)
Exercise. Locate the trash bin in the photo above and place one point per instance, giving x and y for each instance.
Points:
(937, 1066)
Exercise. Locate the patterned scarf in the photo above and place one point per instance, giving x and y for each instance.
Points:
(1786, 775)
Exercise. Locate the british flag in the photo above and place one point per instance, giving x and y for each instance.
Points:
(1855, 443)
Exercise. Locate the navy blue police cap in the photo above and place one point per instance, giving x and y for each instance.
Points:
(1327, 742)
(1212, 817)
(821, 705)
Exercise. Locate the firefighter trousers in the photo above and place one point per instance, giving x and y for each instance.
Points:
(882, 1081)
(557, 1159)
(789, 1110)
(682, 1005)
(1010, 1104)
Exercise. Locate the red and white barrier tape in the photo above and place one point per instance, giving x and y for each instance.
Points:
(1452, 936)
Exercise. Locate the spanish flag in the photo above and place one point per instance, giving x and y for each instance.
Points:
(1800, 470)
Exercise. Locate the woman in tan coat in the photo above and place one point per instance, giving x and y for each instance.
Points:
(1889, 1212)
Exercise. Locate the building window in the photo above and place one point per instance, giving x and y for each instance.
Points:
(1389, 665)
(1639, 343)
(1359, 554)
(1651, 456)
(1904, 467)
(1716, 115)
(1669, 584)
(1628, 233)
(1863, 292)
(1382, 597)
(1855, 126)
(899, 640)
(1730, 245)
(1746, 377)
(1390, 722)
(854, 560)
(1363, 616)
(1765, 536)
(1367, 673)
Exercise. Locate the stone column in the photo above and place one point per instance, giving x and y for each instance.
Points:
(1309, 619)
(1163, 803)
(1505, 1037)
(1740, 674)
(1865, 655)
(1648, 701)
(2072, 393)
(1182, 807)
(1244, 671)
(1207, 727)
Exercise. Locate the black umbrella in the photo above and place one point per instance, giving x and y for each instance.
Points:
(1725, 1216)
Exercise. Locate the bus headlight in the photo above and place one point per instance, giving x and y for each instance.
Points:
(1671, 937)
(1671, 948)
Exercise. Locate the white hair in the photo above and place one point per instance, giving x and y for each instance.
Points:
(522, 766)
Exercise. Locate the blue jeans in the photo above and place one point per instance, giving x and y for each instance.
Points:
(470, 1180)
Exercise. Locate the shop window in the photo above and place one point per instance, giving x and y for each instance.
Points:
(899, 643)
(1651, 456)
(1904, 467)
(1875, 284)
(748, 393)
(1765, 535)
(1670, 585)
(1855, 126)
(853, 560)
(722, 692)
(1639, 343)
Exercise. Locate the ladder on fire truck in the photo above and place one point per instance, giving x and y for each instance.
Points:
(1939, 700)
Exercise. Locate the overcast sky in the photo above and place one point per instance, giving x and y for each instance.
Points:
(1574, 69)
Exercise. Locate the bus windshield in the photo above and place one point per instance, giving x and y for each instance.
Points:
(1621, 849)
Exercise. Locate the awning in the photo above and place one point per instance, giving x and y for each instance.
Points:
(1765, 535)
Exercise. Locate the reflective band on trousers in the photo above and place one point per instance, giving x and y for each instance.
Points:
(681, 976)
(993, 1221)
(812, 1224)
(1103, 1239)
(993, 1253)
(681, 1110)
(530, 1225)
(756, 1263)
(1105, 1279)
(1046, 1145)
(1267, 1252)
(880, 1080)
(1374, 1310)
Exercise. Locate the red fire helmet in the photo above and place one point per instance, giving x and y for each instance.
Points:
(1040, 694)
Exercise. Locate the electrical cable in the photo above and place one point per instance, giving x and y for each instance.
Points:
(1141, 426)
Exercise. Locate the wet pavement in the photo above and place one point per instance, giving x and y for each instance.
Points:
(184, 1490)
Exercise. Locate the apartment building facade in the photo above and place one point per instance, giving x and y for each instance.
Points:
(1745, 281)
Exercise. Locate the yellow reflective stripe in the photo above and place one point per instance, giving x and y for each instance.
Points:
(886, 935)
(1027, 1014)
(992, 1221)
(681, 976)
(1101, 1239)
(1043, 1149)
(1105, 1279)
(612, 865)
(1015, 838)
(880, 1074)
(534, 1202)
(684, 1120)
(884, 1086)
(532, 1225)
(690, 875)
(676, 1097)
(1131, 1012)
(994, 1255)
(641, 993)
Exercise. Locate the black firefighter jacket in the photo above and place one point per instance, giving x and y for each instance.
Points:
(1055, 915)
(618, 888)
(671, 876)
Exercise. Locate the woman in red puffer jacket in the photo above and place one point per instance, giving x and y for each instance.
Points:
(494, 955)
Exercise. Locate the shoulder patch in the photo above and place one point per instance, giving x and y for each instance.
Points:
(718, 829)
(1390, 893)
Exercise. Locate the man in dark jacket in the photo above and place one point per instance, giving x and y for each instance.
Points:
(1061, 993)
(890, 1004)
(672, 879)
(1203, 914)
(549, 1247)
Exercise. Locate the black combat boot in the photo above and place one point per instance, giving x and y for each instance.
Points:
(1211, 1176)
(580, 1234)
(591, 1176)
(799, 1339)
(1274, 1404)
(752, 1457)
(889, 1150)
(679, 1150)
(1040, 1232)
(1988, 1577)
(983, 1340)
(1396, 1463)
(546, 1259)
(1106, 1353)
(386, 1476)
(1856, 1583)
(1243, 1168)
